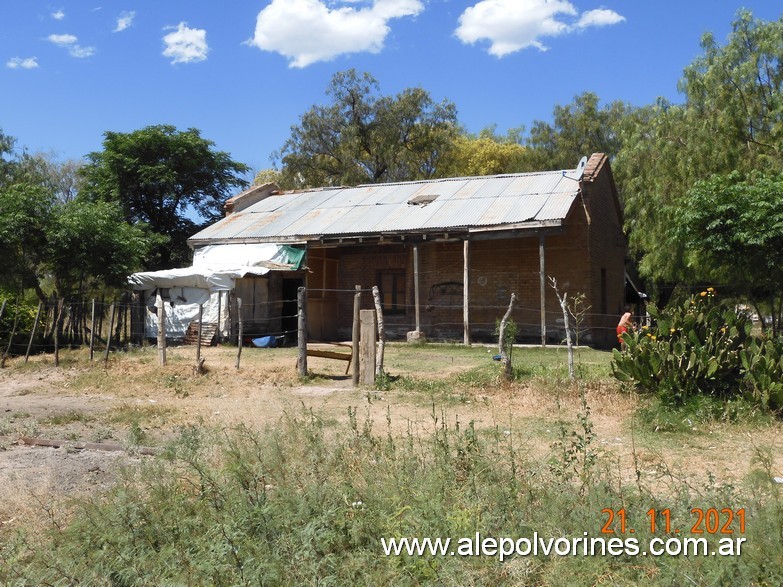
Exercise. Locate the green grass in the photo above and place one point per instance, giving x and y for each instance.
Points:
(302, 505)
(65, 418)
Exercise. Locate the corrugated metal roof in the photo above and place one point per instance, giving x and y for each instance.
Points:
(454, 203)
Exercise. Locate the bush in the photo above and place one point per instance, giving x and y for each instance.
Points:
(701, 347)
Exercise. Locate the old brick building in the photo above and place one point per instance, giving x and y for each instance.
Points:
(464, 244)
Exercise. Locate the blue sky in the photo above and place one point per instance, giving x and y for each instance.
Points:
(244, 71)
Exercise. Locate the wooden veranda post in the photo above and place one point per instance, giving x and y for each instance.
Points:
(542, 286)
(466, 292)
(301, 359)
(355, 334)
(416, 286)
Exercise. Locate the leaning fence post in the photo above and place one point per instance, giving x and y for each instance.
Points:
(301, 359)
(32, 334)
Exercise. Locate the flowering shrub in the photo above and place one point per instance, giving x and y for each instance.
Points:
(701, 347)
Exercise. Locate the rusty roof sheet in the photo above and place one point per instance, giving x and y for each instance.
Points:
(444, 204)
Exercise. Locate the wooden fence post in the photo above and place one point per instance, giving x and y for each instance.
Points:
(199, 363)
(108, 339)
(505, 357)
(32, 334)
(301, 358)
(355, 334)
(11, 338)
(92, 330)
(57, 332)
(161, 329)
(239, 330)
(381, 332)
(367, 347)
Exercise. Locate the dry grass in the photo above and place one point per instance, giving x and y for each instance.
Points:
(92, 402)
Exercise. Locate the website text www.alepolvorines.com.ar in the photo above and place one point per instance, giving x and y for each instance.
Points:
(585, 545)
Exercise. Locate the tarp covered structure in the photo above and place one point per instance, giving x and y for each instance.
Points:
(215, 269)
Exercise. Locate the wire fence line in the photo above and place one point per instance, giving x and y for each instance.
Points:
(25, 329)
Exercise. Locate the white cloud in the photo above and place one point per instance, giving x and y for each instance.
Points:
(186, 45)
(22, 63)
(599, 17)
(59, 15)
(62, 40)
(513, 25)
(309, 31)
(124, 21)
(81, 52)
(70, 42)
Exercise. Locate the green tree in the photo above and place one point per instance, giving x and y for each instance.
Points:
(26, 210)
(731, 229)
(163, 178)
(62, 178)
(365, 137)
(732, 119)
(90, 246)
(578, 129)
(7, 160)
(485, 154)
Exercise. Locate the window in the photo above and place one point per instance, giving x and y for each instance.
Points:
(392, 290)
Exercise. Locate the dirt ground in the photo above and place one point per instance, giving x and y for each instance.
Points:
(132, 401)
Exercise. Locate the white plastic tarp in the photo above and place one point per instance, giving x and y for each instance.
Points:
(183, 277)
(179, 316)
(238, 257)
(215, 268)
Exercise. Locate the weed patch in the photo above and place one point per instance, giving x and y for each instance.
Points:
(305, 504)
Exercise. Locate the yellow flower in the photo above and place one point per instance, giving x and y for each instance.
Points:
(672, 331)
(710, 289)
(702, 294)
(653, 337)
